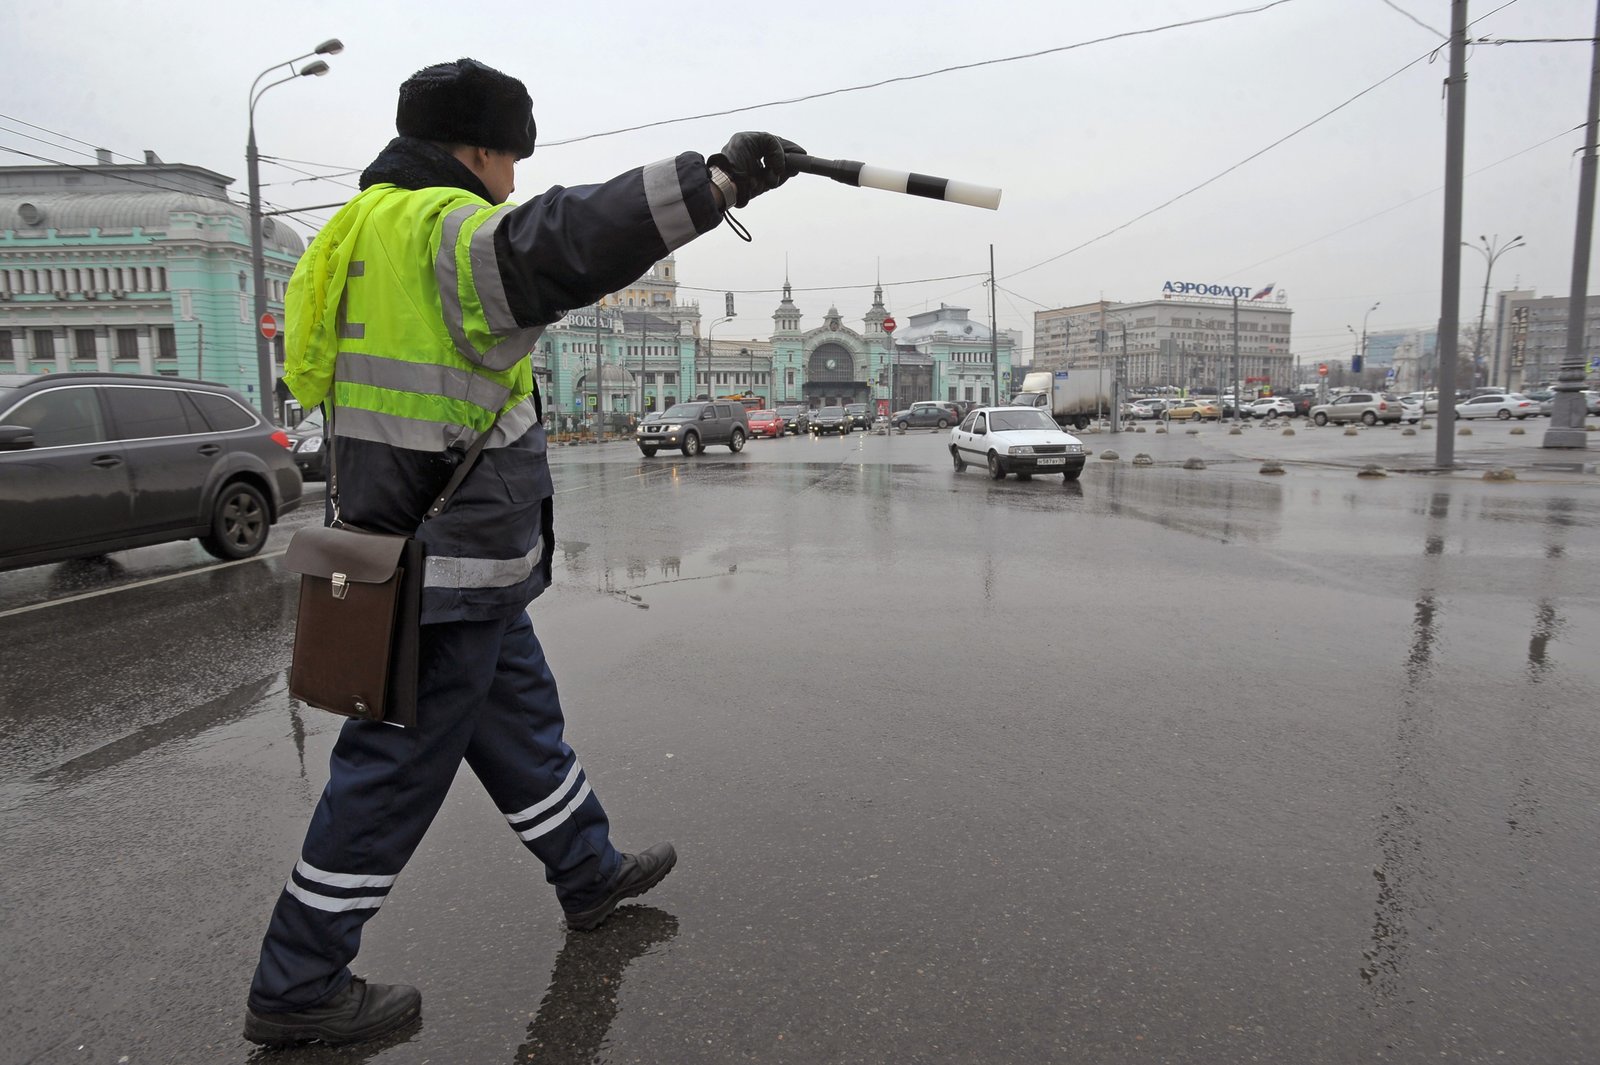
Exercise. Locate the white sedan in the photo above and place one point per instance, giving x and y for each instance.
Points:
(1497, 405)
(1269, 406)
(1019, 440)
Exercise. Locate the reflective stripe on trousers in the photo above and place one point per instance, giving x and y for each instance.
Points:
(444, 572)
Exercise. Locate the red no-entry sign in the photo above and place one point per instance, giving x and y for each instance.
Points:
(1322, 369)
(888, 325)
(269, 326)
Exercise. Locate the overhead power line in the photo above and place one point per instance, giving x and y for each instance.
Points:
(1403, 203)
(1247, 159)
(831, 288)
(1415, 19)
(925, 74)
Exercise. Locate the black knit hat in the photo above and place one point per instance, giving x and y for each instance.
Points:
(466, 102)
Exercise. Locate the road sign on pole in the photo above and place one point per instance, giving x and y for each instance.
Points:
(269, 326)
(1322, 369)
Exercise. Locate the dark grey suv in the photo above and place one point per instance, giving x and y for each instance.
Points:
(690, 427)
(92, 463)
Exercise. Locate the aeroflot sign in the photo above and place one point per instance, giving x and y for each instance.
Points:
(1194, 288)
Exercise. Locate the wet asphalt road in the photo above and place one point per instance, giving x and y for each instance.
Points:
(1169, 765)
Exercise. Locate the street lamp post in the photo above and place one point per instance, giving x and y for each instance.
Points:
(711, 346)
(1490, 253)
(258, 264)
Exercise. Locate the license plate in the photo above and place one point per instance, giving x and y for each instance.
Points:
(1053, 462)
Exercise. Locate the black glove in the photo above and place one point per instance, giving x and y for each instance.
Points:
(755, 163)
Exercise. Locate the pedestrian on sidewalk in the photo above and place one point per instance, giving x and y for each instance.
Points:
(412, 315)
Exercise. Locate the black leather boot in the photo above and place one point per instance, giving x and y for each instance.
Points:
(359, 1012)
(638, 874)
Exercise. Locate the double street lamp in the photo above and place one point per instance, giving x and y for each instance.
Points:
(315, 69)
(1490, 253)
(1361, 353)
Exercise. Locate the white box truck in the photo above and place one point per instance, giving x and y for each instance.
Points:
(1074, 398)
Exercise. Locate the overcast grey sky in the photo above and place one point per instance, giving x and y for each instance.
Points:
(1082, 141)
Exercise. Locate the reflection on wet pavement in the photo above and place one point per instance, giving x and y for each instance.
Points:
(577, 1010)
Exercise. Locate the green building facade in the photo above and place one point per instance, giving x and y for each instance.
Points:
(137, 268)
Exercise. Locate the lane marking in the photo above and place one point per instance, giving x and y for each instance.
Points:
(140, 584)
(14, 611)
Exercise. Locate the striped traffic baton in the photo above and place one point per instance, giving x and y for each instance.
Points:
(850, 172)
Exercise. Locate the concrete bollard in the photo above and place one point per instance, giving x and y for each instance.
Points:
(1288, 432)
(1500, 473)
(1409, 432)
(1109, 456)
(1194, 463)
(1141, 459)
(1161, 428)
(1351, 431)
(1271, 466)
(1191, 432)
(1372, 469)
(1517, 430)
(1235, 431)
(1464, 431)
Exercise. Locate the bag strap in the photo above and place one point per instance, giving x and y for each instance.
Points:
(463, 467)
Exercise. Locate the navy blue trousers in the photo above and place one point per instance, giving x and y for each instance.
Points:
(485, 694)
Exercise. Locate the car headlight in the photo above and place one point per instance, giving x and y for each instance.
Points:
(1021, 449)
(1075, 449)
(311, 443)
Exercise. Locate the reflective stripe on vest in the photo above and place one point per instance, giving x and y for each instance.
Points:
(431, 379)
(424, 433)
(477, 318)
(441, 571)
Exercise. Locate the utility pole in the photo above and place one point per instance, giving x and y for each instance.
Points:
(1450, 299)
(994, 333)
(599, 377)
(1238, 389)
(1568, 410)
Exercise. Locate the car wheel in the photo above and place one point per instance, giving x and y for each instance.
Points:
(1071, 475)
(648, 452)
(736, 441)
(1503, 415)
(943, 423)
(997, 471)
(901, 425)
(691, 444)
(1320, 418)
(959, 461)
(1081, 422)
(1369, 418)
(239, 522)
(1024, 476)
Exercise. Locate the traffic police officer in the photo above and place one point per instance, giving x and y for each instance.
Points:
(412, 314)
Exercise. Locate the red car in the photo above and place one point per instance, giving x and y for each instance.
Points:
(766, 423)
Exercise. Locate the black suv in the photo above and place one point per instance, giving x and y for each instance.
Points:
(796, 418)
(860, 415)
(99, 462)
(689, 427)
(830, 420)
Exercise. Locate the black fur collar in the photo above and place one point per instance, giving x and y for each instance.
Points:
(417, 164)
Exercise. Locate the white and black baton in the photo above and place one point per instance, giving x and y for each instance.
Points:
(850, 172)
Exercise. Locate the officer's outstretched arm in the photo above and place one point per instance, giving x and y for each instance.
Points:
(570, 246)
